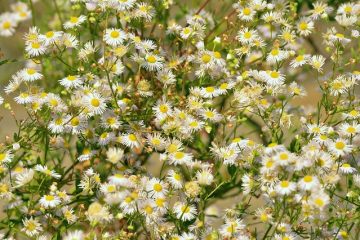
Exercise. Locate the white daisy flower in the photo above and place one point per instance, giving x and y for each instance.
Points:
(186, 32)
(299, 60)
(95, 103)
(347, 169)
(114, 37)
(156, 188)
(348, 130)
(30, 75)
(74, 21)
(57, 125)
(46, 171)
(204, 177)
(156, 141)
(209, 92)
(180, 157)
(108, 188)
(175, 179)
(49, 201)
(184, 211)
(273, 78)
(246, 14)
(32, 227)
(340, 147)
(317, 62)
(69, 41)
(123, 5)
(130, 140)
(305, 26)
(153, 62)
(24, 177)
(71, 81)
(8, 23)
(309, 183)
(35, 48)
(247, 36)
(285, 187)
(6, 157)
(319, 199)
(231, 227)
(24, 98)
(50, 37)
(75, 235)
(114, 155)
(144, 10)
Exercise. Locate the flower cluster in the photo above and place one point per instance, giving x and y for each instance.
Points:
(9, 20)
(144, 116)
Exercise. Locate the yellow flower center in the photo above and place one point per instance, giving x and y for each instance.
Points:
(308, 179)
(6, 25)
(49, 34)
(206, 58)
(348, 9)
(132, 137)
(157, 187)
(339, 145)
(74, 19)
(163, 108)
(346, 165)
(151, 59)
(187, 31)
(269, 164)
(148, 209)
(284, 156)
(30, 71)
(319, 202)
(354, 113)
(160, 202)
(111, 121)
(114, 34)
(299, 58)
(246, 11)
(185, 209)
(209, 114)
(274, 74)
(53, 102)
(264, 217)
(49, 198)
(210, 89)
(58, 121)
(179, 155)
(95, 102)
(275, 52)
(111, 188)
(303, 26)
(339, 35)
(351, 130)
(35, 45)
(284, 184)
(71, 78)
(224, 86)
(217, 55)
(156, 141)
(172, 148)
(177, 177)
(31, 226)
(247, 35)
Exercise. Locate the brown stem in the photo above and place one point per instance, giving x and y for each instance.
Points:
(202, 7)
